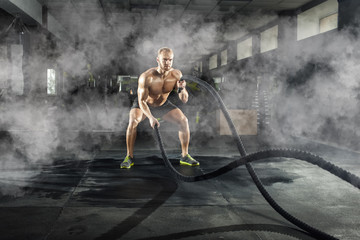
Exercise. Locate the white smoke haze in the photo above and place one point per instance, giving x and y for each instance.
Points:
(36, 127)
(74, 64)
(189, 37)
(322, 104)
(27, 140)
(12, 182)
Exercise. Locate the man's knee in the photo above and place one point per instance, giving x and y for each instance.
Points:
(133, 123)
(183, 122)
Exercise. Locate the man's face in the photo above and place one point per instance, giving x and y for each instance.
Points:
(165, 60)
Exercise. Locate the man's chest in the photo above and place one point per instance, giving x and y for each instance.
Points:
(161, 86)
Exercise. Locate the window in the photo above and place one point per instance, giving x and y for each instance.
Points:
(223, 57)
(51, 82)
(244, 49)
(328, 23)
(219, 79)
(318, 19)
(213, 62)
(269, 39)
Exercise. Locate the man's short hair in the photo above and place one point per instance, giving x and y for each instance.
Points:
(164, 49)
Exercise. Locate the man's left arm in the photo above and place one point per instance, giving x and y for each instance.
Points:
(181, 88)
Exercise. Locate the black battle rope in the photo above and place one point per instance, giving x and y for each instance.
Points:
(246, 159)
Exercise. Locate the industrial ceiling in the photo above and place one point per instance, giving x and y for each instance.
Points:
(113, 27)
(113, 11)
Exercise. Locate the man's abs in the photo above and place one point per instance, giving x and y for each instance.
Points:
(156, 101)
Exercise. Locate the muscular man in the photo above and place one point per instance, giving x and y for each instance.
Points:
(154, 88)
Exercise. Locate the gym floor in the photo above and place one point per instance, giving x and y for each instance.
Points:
(92, 198)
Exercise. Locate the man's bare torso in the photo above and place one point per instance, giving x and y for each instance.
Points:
(160, 86)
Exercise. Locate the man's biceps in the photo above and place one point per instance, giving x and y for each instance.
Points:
(141, 91)
(143, 95)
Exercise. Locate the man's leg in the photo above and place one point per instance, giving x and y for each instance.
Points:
(135, 117)
(177, 117)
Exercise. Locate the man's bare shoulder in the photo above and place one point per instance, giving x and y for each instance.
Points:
(176, 73)
(149, 72)
(147, 75)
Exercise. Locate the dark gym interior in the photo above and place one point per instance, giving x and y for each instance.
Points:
(286, 71)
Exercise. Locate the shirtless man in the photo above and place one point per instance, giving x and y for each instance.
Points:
(154, 88)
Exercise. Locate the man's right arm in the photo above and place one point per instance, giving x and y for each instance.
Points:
(143, 93)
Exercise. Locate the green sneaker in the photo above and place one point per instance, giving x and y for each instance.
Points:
(127, 163)
(188, 160)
